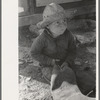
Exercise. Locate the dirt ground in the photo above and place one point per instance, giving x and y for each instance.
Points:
(32, 85)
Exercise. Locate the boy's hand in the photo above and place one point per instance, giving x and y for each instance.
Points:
(54, 62)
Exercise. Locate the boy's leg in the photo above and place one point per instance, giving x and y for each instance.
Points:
(85, 81)
(63, 83)
(85, 78)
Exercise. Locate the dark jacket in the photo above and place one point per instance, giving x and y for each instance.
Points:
(45, 48)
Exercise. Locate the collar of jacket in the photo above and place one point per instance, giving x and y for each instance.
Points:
(48, 32)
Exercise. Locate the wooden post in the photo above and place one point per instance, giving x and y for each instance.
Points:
(31, 6)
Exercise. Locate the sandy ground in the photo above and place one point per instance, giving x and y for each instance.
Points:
(32, 85)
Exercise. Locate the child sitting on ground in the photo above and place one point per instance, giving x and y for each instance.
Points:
(56, 46)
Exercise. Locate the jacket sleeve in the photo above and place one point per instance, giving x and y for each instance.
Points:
(37, 51)
(71, 49)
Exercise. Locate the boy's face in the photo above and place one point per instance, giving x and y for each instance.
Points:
(58, 27)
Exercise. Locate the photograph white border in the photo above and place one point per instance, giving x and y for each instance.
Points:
(9, 54)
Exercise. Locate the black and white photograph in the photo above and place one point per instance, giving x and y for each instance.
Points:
(57, 50)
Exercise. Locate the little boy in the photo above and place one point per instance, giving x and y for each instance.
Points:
(56, 45)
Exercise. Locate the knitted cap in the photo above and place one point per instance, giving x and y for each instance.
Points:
(51, 13)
